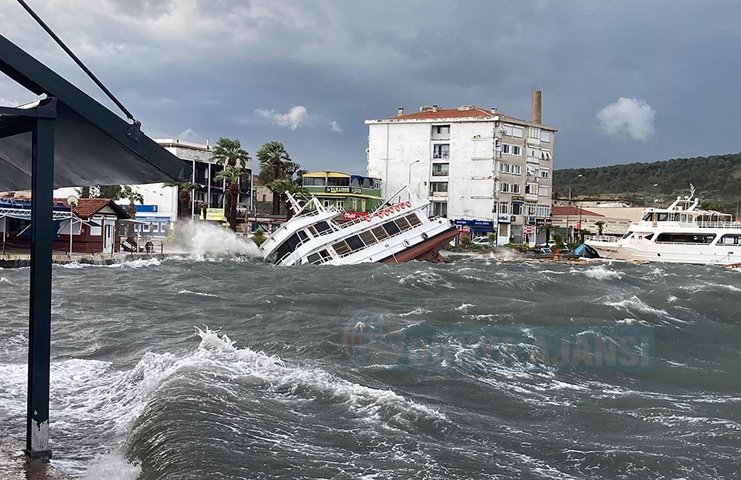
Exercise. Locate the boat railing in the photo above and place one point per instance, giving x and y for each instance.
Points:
(602, 238)
(716, 224)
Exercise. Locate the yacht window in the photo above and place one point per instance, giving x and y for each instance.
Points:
(649, 236)
(325, 255)
(355, 242)
(730, 239)
(368, 237)
(413, 219)
(684, 238)
(403, 224)
(287, 247)
(312, 231)
(627, 234)
(302, 235)
(314, 258)
(647, 217)
(391, 228)
(380, 233)
(341, 248)
(322, 227)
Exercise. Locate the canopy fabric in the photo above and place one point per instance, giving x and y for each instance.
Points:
(327, 174)
(93, 146)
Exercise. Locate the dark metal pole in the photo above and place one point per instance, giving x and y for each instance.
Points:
(39, 338)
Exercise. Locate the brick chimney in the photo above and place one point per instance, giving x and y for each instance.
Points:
(536, 107)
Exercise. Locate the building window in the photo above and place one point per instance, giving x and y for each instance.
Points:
(545, 136)
(543, 210)
(531, 188)
(531, 210)
(543, 191)
(545, 154)
(512, 130)
(441, 150)
(504, 167)
(439, 209)
(441, 131)
(516, 169)
(504, 187)
(543, 173)
(533, 132)
(440, 169)
(314, 182)
(516, 208)
(511, 149)
(439, 187)
(515, 188)
(504, 207)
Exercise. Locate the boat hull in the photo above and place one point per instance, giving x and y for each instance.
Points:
(425, 251)
(650, 252)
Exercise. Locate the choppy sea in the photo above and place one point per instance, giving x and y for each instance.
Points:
(224, 367)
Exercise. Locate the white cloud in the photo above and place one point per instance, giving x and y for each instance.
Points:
(296, 116)
(628, 116)
(334, 124)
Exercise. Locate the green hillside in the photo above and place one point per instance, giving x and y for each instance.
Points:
(716, 179)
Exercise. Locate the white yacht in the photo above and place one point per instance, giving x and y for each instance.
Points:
(398, 231)
(681, 233)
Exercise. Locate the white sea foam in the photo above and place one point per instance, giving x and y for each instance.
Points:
(464, 307)
(201, 294)
(5, 280)
(112, 466)
(600, 272)
(202, 240)
(426, 278)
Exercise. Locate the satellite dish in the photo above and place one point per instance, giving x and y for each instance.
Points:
(73, 201)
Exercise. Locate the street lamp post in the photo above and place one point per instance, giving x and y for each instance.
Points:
(409, 182)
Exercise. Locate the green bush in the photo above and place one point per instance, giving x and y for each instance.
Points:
(259, 237)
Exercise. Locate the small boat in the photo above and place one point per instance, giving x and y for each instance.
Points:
(397, 231)
(681, 233)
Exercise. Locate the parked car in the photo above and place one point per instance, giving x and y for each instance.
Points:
(483, 241)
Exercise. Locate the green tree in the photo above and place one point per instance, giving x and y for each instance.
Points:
(275, 164)
(231, 175)
(229, 152)
(128, 193)
(547, 228)
(185, 200)
(287, 185)
(600, 226)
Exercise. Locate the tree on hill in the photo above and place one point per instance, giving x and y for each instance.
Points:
(716, 178)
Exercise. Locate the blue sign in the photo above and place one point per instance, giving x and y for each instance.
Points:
(474, 224)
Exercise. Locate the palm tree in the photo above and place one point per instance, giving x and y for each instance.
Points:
(275, 164)
(185, 190)
(287, 185)
(228, 151)
(547, 227)
(132, 196)
(231, 176)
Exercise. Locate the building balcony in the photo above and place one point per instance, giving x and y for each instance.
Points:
(531, 197)
(532, 160)
(439, 195)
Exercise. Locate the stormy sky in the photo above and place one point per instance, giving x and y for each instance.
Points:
(622, 81)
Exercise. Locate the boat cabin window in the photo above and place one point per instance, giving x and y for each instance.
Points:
(685, 238)
(413, 219)
(627, 234)
(730, 239)
(649, 236)
(302, 235)
(288, 246)
(342, 248)
(391, 228)
(322, 227)
(312, 231)
(403, 224)
(314, 258)
(355, 242)
(368, 237)
(380, 233)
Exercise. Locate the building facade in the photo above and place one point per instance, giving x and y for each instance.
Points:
(477, 166)
(352, 194)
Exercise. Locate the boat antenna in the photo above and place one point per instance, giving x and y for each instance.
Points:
(79, 63)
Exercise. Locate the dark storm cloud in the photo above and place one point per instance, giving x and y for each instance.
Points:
(208, 67)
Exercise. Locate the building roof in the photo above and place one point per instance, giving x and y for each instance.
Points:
(92, 145)
(464, 112)
(87, 207)
(572, 211)
(326, 173)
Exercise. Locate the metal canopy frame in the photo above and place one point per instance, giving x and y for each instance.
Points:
(64, 139)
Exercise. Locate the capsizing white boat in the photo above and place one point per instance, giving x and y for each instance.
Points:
(680, 233)
(397, 231)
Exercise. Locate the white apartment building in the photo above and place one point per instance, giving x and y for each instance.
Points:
(478, 167)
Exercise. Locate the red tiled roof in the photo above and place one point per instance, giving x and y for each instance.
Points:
(474, 112)
(572, 211)
(87, 207)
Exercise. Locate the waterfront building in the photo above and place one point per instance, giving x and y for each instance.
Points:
(485, 169)
(163, 205)
(351, 194)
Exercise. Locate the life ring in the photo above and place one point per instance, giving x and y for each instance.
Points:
(397, 207)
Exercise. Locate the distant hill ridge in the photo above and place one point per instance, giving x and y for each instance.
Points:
(717, 179)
